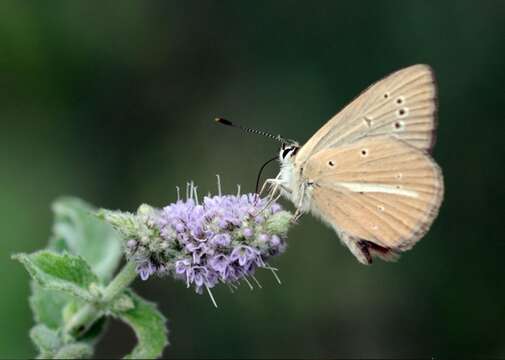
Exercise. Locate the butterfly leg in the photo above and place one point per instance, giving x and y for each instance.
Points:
(271, 197)
(296, 216)
(274, 188)
(270, 182)
(267, 205)
(299, 206)
(267, 182)
(299, 212)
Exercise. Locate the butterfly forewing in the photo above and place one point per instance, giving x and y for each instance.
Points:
(402, 105)
(378, 189)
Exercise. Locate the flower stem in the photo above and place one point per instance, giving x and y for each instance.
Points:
(120, 282)
(89, 313)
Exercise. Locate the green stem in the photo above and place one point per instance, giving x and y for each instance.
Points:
(120, 282)
(89, 313)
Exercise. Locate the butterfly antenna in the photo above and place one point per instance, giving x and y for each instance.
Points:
(252, 131)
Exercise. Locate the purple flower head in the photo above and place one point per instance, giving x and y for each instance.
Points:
(223, 238)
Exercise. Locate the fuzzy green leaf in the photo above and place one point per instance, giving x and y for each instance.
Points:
(46, 340)
(47, 305)
(77, 350)
(61, 272)
(77, 230)
(149, 327)
(51, 346)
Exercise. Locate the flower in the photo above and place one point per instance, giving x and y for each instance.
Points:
(223, 239)
(145, 270)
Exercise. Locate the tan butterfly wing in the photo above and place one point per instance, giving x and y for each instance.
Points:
(401, 105)
(378, 189)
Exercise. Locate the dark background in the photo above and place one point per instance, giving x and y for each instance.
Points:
(114, 101)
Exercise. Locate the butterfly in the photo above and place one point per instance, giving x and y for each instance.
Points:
(368, 172)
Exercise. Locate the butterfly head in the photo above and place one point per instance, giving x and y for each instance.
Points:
(288, 151)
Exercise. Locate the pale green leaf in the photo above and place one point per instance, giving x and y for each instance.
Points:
(52, 346)
(47, 305)
(46, 340)
(63, 272)
(77, 230)
(149, 326)
(77, 350)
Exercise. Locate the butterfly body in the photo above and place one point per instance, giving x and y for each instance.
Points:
(290, 180)
(367, 172)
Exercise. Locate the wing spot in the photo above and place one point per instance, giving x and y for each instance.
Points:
(400, 100)
(398, 176)
(386, 95)
(402, 112)
(398, 125)
(364, 152)
(331, 163)
(380, 207)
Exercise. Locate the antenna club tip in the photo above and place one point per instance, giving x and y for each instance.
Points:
(220, 120)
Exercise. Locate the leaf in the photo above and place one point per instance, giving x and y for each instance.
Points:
(46, 340)
(77, 230)
(51, 310)
(47, 305)
(62, 272)
(78, 350)
(149, 327)
(51, 346)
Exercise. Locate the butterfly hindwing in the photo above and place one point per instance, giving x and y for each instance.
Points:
(378, 189)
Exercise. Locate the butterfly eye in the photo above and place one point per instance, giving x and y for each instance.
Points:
(285, 152)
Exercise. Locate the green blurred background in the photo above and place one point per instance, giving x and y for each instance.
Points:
(113, 102)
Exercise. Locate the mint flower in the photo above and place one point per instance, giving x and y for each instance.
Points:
(223, 239)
